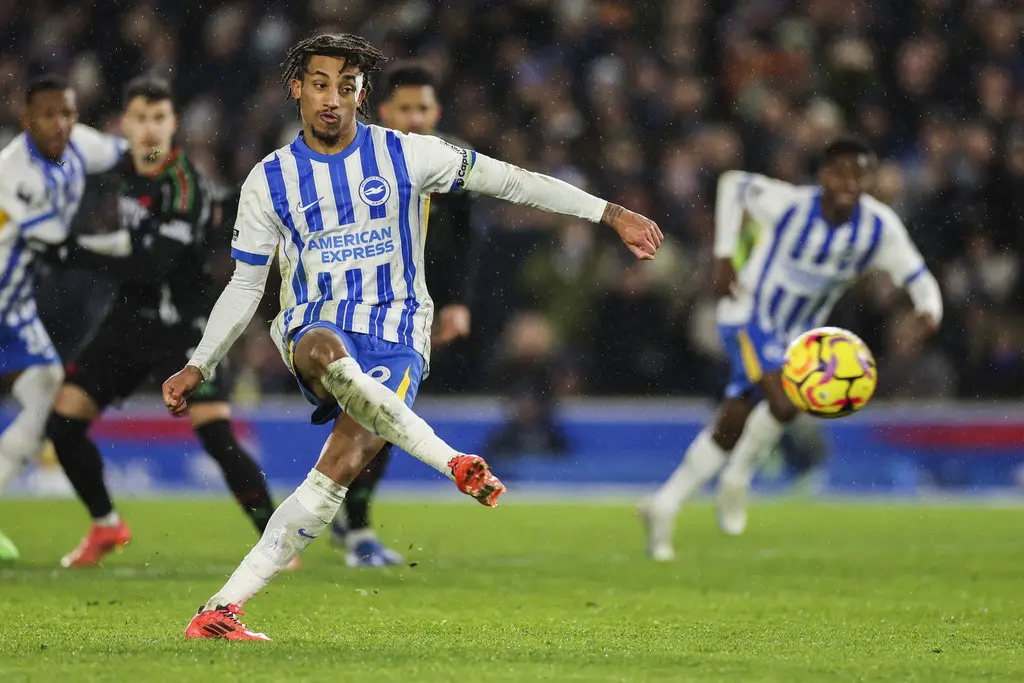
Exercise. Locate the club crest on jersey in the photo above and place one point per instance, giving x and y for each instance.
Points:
(374, 190)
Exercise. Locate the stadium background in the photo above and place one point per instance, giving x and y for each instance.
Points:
(643, 103)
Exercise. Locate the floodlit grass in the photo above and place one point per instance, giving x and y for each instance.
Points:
(813, 592)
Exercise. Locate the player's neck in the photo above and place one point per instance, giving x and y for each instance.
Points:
(835, 216)
(322, 147)
(150, 164)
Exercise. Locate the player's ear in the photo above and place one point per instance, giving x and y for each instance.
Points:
(296, 88)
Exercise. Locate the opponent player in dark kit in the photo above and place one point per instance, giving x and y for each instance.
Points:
(154, 323)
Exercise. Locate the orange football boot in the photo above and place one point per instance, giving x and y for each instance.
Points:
(98, 542)
(221, 623)
(474, 478)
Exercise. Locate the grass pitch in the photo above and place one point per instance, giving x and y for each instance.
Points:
(813, 592)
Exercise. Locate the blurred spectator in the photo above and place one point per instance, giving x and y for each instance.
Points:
(643, 103)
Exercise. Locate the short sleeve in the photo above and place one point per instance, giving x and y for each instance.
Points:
(24, 206)
(436, 165)
(99, 151)
(255, 235)
(764, 198)
(896, 254)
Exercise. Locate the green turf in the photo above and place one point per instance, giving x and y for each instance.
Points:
(813, 592)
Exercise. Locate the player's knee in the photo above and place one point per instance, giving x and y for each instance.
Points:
(725, 435)
(317, 350)
(74, 402)
(782, 409)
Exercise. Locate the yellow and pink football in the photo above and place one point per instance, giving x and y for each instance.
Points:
(829, 372)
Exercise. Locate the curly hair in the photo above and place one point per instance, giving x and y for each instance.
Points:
(356, 50)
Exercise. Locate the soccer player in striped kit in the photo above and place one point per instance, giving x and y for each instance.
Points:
(42, 180)
(815, 241)
(344, 207)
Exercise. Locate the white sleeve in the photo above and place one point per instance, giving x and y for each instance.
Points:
(897, 256)
(739, 193)
(99, 151)
(230, 316)
(439, 166)
(256, 235)
(25, 205)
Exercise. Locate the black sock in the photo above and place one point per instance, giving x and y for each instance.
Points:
(241, 472)
(81, 461)
(357, 500)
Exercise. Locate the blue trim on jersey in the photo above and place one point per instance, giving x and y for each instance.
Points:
(775, 302)
(385, 295)
(368, 159)
(279, 196)
(916, 274)
(876, 237)
(794, 314)
(342, 196)
(299, 147)
(12, 263)
(39, 219)
(780, 228)
(325, 283)
(248, 257)
(20, 292)
(826, 246)
(308, 194)
(354, 295)
(801, 243)
(405, 325)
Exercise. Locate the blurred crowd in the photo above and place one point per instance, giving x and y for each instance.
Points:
(643, 103)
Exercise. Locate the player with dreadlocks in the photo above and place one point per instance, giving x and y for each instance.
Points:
(344, 207)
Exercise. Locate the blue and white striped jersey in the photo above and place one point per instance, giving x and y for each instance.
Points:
(801, 265)
(38, 200)
(349, 230)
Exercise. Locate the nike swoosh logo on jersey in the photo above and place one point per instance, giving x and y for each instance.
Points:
(307, 207)
(370, 191)
(302, 532)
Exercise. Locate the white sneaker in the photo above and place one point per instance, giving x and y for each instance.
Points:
(659, 527)
(732, 505)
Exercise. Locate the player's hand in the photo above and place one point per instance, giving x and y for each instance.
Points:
(724, 282)
(639, 233)
(178, 386)
(453, 322)
(925, 326)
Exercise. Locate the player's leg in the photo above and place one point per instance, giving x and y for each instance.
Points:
(109, 368)
(299, 519)
(351, 528)
(34, 388)
(763, 430)
(212, 423)
(704, 458)
(322, 362)
(27, 356)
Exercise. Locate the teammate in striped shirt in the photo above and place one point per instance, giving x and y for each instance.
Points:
(42, 179)
(344, 208)
(815, 241)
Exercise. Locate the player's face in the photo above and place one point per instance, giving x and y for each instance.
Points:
(49, 118)
(149, 126)
(843, 180)
(329, 95)
(411, 109)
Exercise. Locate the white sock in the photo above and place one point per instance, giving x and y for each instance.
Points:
(760, 434)
(21, 442)
(293, 526)
(109, 519)
(702, 461)
(378, 409)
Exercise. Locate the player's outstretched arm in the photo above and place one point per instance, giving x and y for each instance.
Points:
(511, 183)
(229, 318)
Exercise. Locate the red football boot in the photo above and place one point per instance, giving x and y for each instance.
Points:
(221, 623)
(98, 542)
(473, 477)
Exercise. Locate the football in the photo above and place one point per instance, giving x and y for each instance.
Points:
(829, 372)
